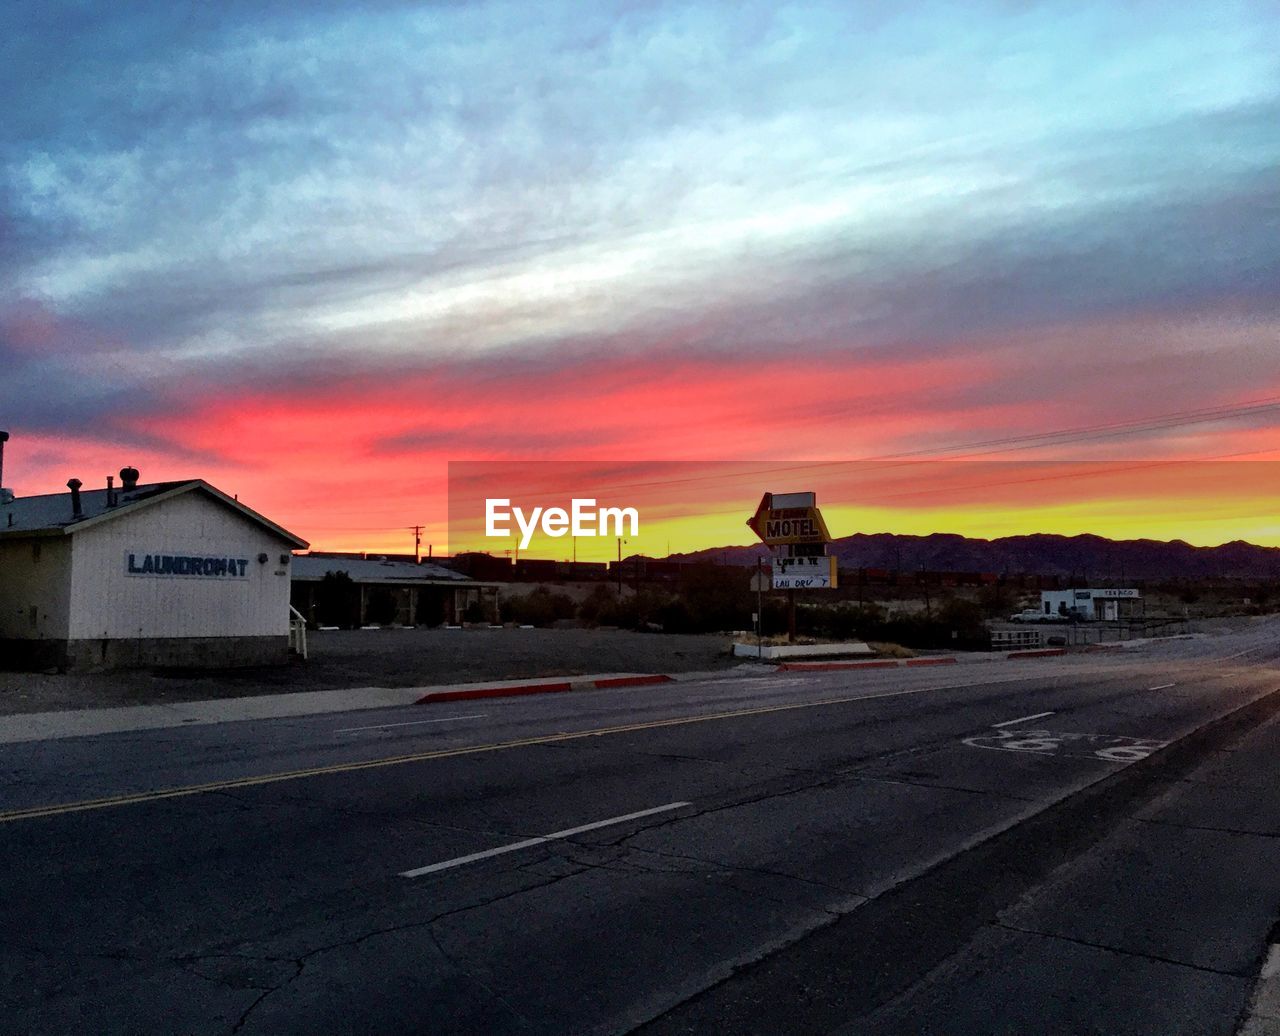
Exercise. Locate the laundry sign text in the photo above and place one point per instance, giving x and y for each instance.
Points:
(191, 565)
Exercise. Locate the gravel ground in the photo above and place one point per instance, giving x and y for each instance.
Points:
(381, 658)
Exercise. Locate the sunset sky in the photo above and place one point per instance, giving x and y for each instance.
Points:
(313, 253)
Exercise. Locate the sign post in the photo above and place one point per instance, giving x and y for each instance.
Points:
(791, 525)
(759, 581)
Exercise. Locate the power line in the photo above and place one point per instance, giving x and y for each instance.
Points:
(978, 448)
(1020, 442)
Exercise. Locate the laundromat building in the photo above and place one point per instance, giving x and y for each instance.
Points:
(163, 574)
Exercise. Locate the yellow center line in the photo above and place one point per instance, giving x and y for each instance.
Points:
(34, 812)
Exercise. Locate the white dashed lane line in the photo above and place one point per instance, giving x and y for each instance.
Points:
(460, 861)
(1022, 719)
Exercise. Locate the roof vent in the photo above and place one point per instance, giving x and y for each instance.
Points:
(128, 479)
(74, 485)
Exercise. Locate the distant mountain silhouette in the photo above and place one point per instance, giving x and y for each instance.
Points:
(1087, 558)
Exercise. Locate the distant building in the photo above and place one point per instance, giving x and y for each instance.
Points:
(383, 591)
(169, 573)
(478, 565)
(1096, 604)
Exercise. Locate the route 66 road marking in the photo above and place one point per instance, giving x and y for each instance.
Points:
(1112, 748)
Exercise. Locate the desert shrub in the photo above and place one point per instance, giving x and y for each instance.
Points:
(380, 608)
(539, 607)
(598, 606)
(337, 601)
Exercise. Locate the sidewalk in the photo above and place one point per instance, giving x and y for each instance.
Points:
(42, 726)
(1159, 929)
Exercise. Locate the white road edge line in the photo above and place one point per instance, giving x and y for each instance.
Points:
(1228, 658)
(1022, 719)
(514, 846)
(411, 723)
(1162, 687)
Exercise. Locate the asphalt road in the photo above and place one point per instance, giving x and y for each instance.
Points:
(590, 862)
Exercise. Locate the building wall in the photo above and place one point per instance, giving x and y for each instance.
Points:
(35, 588)
(1056, 598)
(181, 652)
(108, 603)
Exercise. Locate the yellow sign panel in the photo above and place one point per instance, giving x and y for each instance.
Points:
(778, 526)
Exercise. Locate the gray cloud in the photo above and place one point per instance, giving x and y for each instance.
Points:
(191, 187)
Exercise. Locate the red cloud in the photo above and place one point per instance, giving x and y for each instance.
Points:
(351, 460)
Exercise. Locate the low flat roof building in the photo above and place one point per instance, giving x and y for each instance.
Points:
(386, 592)
(1094, 604)
(167, 573)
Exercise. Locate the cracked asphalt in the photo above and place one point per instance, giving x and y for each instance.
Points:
(270, 899)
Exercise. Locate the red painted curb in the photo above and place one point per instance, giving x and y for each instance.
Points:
(1043, 653)
(929, 661)
(470, 694)
(814, 667)
(494, 692)
(633, 681)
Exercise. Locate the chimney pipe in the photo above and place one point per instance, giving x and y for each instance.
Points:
(128, 479)
(4, 438)
(111, 496)
(74, 485)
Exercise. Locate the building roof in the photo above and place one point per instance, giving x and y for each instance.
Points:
(309, 568)
(51, 515)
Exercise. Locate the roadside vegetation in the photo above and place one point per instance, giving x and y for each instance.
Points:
(717, 599)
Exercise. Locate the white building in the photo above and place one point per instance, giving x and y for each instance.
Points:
(1094, 604)
(172, 573)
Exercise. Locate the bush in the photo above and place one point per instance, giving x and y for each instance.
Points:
(539, 607)
(716, 598)
(337, 601)
(996, 601)
(381, 607)
(956, 623)
(600, 603)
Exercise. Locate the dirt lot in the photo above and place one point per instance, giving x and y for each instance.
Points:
(381, 658)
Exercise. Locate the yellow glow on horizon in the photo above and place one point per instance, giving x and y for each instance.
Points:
(1197, 522)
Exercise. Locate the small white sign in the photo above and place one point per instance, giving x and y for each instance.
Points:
(784, 500)
(815, 573)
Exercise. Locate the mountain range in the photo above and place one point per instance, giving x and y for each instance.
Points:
(1085, 558)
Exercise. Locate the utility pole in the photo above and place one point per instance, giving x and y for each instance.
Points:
(417, 543)
(619, 566)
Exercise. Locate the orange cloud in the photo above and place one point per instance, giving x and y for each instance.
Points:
(352, 461)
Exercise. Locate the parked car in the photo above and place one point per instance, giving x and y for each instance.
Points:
(1034, 615)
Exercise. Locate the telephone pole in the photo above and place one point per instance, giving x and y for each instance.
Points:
(417, 543)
